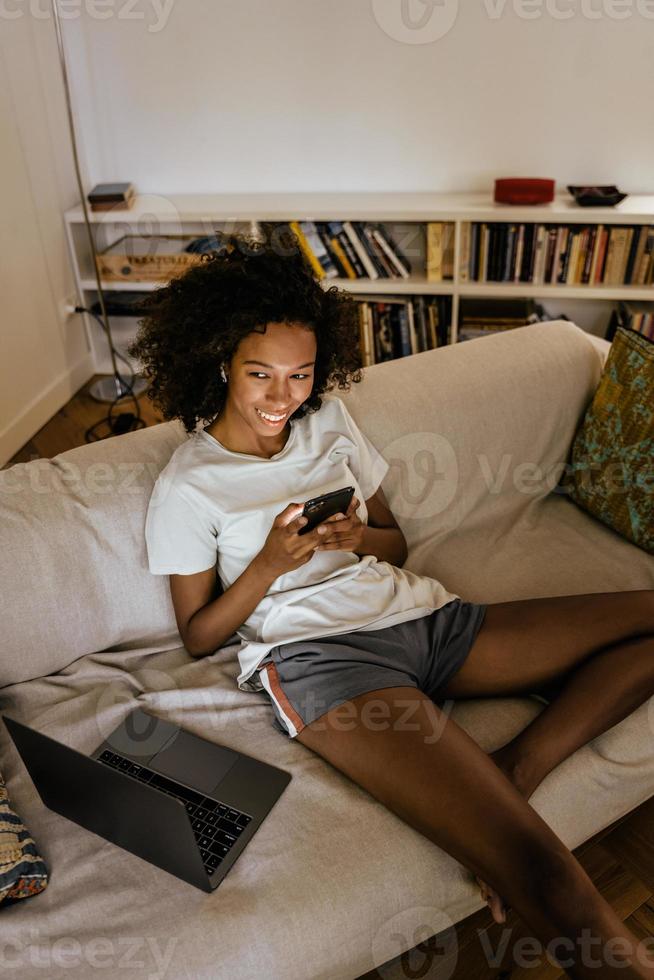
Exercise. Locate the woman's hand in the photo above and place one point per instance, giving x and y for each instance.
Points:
(342, 532)
(284, 549)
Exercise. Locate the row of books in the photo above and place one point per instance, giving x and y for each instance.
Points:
(391, 327)
(633, 315)
(557, 254)
(345, 249)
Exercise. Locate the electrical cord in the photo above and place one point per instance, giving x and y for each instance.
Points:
(126, 421)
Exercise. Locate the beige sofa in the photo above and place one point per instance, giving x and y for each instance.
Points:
(332, 884)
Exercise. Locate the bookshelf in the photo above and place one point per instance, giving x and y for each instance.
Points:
(404, 215)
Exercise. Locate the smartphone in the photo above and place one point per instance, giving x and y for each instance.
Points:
(318, 509)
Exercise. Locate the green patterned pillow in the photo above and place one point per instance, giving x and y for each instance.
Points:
(610, 472)
(22, 869)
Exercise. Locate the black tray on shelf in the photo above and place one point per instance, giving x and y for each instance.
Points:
(606, 195)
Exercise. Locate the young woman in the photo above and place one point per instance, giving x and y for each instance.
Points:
(356, 653)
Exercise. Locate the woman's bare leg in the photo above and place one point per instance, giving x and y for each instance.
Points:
(399, 746)
(596, 651)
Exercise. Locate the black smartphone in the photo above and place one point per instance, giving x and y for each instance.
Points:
(318, 509)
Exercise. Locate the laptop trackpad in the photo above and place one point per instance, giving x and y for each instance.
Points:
(194, 761)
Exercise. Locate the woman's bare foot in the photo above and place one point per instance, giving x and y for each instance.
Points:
(504, 762)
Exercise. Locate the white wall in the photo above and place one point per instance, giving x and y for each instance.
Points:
(237, 95)
(43, 358)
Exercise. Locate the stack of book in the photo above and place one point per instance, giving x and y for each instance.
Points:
(557, 254)
(106, 197)
(345, 249)
(391, 327)
(484, 317)
(633, 315)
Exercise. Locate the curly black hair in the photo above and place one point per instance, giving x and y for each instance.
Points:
(195, 323)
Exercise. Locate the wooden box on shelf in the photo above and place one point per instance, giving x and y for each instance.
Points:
(155, 258)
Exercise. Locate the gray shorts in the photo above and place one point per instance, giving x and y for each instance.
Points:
(307, 678)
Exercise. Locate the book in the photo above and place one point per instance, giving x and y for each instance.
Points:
(448, 250)
(440, 251)
(464, 271)
(110, 192)
(371, 247)
(391, 252)
(434, 251)
(361, 252)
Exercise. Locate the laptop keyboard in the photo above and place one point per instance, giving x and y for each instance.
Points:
(216, 826)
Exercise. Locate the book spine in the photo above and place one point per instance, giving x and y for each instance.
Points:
(538, 256)
(361, 230)
(473, 257)
(404, 333)
(519, 253)
(434, 251)
(368, 335)
(432, 313)
(601, 256)
(611, 254)
(560, 267)
(588, 260)
(634, 238)
(482, 252)
(322, 230)
(464, 258)
(385, 245)
(382, 258)
(549, 255)
(307, 250)
(421, 325)
(448, 250)
(640, 248)
(508, 252)
(596, 252)
(413, 333)
(318, 248)
(572, 256)
(361, 252)
(581, 256)
(342, 257)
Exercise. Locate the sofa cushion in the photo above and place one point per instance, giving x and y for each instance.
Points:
(73, 568)
(611, 472)
(22, 869)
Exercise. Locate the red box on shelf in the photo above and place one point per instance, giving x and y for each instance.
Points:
(524, 190)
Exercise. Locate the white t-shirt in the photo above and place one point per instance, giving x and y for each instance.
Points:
(211, 505)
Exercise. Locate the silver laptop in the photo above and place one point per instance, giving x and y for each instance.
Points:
(180, 802)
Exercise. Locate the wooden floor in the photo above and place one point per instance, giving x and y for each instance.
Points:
(619, 860)
(67, 428)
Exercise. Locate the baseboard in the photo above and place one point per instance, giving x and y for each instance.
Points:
(43, 406)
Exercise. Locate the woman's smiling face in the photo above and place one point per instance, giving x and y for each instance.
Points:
(270, 373)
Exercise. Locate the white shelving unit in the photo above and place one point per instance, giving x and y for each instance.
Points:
(405, 214)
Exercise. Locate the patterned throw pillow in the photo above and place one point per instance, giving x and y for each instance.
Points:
(22, 869)
(610, 472)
